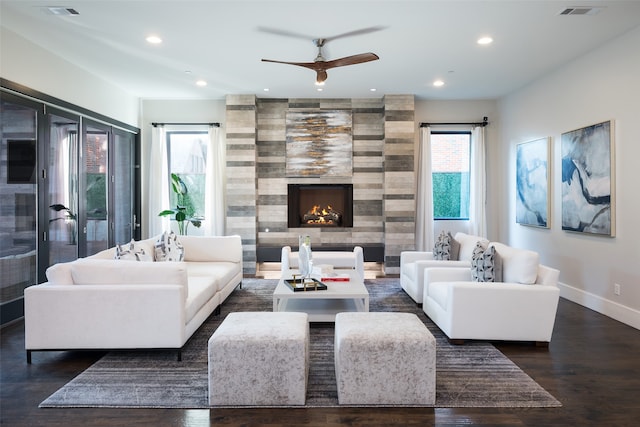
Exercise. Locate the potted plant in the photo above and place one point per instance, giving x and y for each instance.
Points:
(69, 218)
(181, 212)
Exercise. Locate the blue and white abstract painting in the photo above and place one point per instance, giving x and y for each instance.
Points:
(587, 180)
(532, 183)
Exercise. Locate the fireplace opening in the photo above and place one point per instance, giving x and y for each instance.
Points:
(320, 205)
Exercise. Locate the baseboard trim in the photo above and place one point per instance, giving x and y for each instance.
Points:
(617, 311)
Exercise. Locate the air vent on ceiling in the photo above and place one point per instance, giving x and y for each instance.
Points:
(580, 10)
(62, 11)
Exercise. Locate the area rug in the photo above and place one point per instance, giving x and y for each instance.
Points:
(472, 375)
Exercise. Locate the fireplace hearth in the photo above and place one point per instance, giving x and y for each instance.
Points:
(320, 205)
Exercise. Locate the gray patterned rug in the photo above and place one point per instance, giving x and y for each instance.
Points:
(471, 375)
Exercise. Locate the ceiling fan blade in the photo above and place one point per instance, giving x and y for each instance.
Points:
(311, 65)
(351, 60)
(284, 33)
(356, 32)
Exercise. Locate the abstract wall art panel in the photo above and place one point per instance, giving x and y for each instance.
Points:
(319, 143)
(588, 180)
(532, 183)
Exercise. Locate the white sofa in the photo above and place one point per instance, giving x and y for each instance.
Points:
(100, 302)
(522, 307)
(413, 263)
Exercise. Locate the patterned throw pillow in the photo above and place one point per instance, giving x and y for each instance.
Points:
(486, 265)
(446, 248)
(168, 248)
(130, 251)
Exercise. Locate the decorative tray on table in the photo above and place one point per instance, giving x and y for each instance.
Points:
(305, 285)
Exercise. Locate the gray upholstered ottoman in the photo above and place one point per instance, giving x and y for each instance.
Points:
(259, 358)
(384, 358)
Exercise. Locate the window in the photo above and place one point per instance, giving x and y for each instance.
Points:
(188, 159)
(450, 160)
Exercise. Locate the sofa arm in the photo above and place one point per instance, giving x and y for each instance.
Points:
(212, 248)
(502, 311)
(413, 256)
(104, 316)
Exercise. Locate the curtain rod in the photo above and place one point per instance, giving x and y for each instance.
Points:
(154, 124)
(485, 121)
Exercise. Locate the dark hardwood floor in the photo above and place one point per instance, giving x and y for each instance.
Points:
(592, 366)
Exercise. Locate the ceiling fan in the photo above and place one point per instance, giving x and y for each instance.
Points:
(320, 65)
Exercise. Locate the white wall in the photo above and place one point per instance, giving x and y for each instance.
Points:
(36, 68)
(172, 111)
(602, 85)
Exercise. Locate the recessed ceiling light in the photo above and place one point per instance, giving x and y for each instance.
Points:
(266, 89)
(485, 40)
(154, 39)
(319, 89)
(438, 83)
(373, 89)
(201, 83)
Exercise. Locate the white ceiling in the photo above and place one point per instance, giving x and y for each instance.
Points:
(223, 43)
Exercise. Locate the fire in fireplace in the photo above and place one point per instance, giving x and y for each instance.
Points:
(322, 215)
(320, 205)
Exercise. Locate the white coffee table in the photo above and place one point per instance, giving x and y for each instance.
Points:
(322, 306)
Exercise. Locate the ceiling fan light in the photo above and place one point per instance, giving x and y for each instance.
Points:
(319, 83)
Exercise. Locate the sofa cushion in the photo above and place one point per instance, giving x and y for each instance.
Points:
(223, 271)
(60, 274)
(467, 245)
(518, 265)
(133, 251)
(168, 248)
(201, 290)
(115, 272)
(486, 265)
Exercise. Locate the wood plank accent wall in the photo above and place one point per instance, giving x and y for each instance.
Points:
(383, 175)
(241, 174)
(399, 183)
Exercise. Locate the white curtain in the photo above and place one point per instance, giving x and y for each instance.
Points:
(214, 208)
(478, 190)
(424, 196)
(158, 180)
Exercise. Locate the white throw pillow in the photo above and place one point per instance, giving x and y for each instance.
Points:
(518, 265)
(132, 251)
(168, 248)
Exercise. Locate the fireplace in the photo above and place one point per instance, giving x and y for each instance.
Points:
(320, 205)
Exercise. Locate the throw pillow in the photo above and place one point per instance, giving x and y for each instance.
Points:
(486, 265)
(442, 248)
(454, 253)
(446, 248)
(168, 248)
(131, 251)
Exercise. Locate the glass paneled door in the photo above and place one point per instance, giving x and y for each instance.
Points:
(126, 226)
(94, 172)
(18, 212)
(62, 188)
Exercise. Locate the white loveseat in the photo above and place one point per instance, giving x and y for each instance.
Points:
(521, 307)
(100, 302)
(413, 263)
